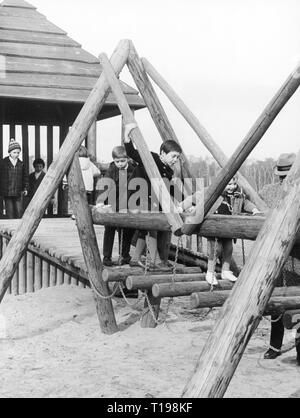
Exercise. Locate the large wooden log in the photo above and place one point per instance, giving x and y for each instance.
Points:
(56, 171)
(146, 282)
(167, 290)
(88, 241)
(242, 311)
(157, 183)
(217, 298)
(243, 151)
(291, 319)
(120, 274)
(201, 132)
(154, 106)
(92, 141)
(221, 226)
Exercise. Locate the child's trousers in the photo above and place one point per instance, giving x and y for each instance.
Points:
(13, 207)
(109, 237)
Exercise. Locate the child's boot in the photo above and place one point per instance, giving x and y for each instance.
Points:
(211, 278)
(228, 275)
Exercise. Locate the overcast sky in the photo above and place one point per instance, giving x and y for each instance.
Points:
(225, 58)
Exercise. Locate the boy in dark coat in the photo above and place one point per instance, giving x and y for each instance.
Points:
(119, 171)
(36, 177)
(13, 181)
(168, 156)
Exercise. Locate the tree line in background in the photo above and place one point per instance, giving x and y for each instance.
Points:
(258, 173)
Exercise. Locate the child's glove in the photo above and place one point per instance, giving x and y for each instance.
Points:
(24, 193)
(128, 128)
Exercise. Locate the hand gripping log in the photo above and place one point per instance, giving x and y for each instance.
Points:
(57, 170)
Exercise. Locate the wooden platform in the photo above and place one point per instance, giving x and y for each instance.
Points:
(56, 252)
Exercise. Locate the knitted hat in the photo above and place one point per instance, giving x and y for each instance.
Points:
(13, 144)
(284, 163)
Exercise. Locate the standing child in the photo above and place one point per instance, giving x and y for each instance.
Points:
(13, 181)
(170, 152)
(234, 202)
(119, 171)
(36, 177)
(89, 171)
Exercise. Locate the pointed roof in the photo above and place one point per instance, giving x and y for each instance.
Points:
(43, 63)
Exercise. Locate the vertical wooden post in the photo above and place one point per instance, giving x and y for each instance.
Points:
(57, 170)
(52, 275)
(49, 159)
(247, 302)
(45, 274)
(63, 200)
(152, 102)
(158, 185)
(25, 147)
(37, 139)
(123, 129)
(90, 249)
(92, 141)
(30, 273)
(22, 275)
(248, 144)
(37, 273)
(60, 277)
(201, 132)
(12, 131)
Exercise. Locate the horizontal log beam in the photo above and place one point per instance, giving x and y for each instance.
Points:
(146, 282)
(290, 297)
(291, 319)
(167, 290)
(222, 226)
(120, 274)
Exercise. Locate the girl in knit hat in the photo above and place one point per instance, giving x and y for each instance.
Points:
(13, 181)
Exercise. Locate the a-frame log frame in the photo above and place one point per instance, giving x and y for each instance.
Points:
(157, 183)
(200, 131)
(55, 173)
(90, 249)
(248, 144)
(244, 308)
(155, 108)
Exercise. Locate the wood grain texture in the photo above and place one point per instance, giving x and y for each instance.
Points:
(90, 249)
(248, 300)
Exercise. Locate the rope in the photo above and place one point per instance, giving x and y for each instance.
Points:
(243, 252)
(121, 246)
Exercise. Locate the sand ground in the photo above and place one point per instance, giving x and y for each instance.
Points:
(51, 346)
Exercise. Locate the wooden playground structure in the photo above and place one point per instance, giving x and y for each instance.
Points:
(276, 234)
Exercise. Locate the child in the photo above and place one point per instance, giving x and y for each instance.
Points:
(234, 202)
(119, 171)
(89, 171)
(36, 177)
(13, 181)
(170, 152)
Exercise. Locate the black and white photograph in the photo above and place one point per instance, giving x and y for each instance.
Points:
(149, 202)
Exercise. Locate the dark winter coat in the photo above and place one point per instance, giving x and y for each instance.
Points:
(166, 172)
(13, 179)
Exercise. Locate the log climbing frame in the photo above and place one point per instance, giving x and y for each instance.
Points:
(249, 299)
